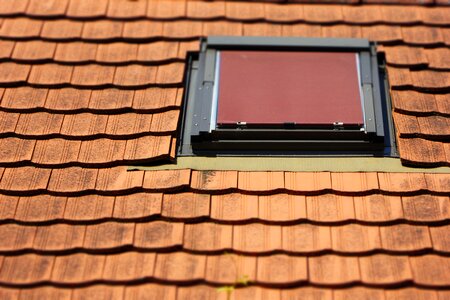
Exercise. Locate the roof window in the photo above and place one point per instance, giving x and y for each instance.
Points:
(286, 96)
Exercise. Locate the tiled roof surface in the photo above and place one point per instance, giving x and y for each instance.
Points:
(90, 87)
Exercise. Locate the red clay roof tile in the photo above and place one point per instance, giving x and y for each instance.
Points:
(329, 207)
(341, 31)
(129, 266)
(426, 207)
(84, 124)
(438, 58)
(435, 15)
(410, 293)
(6, 49)
(378, 208)
(98, 292)
(354, 238)
(117, 179)
(142, 29)
(307, 182)
(83, 75)
(24, 179)
(40, 123)
(116, 52)
(234, 207)
(432, 153)
(134, 75)
(157, 51)
(422, 35)
(242, 11)
(256, 238)
(262, 30)
(166, 9)
(16, 150)
(73, 179)
(354, 182)
(9, 205)
(13, 73)
(316, 14)
(179, 266)
(279, 13)
(20, 28)
(150, 290)
(89, 208)
(67, 99)
(282, 207)
(26, 268)
(61, 29)
(124, 9)
(47, 292)
(48, 8)
(77, 268)
(50, 74)
(214, 180)
(107, 99)
(382, 33)
(182, 29)
(402, 182)
(16, 237)
(10, 8)
(358, 293)
(185, 205)
(75, 52)
(155, 98)
(102, 30)
(34, 50)
(87, 9)
(207, 237)
(333, 270)
(440, 238)
(108, 235)
(158, 234)
(226, 268)
(222, 28)
(55, 151)
(59, 237)
(362, 14)
(305, 30)
(147, 147)
(260, 181)
(306, 238)
(421, 266)
(101, 151)
(138, 205)
(405, 237)
(412, 101)
(282, 269)
(202, 10)
(39, 208)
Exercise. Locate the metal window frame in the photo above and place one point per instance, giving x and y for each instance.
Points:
(200, 136)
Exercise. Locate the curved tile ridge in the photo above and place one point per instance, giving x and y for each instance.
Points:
(304, 239)
(77, 180)
(272, 271)
(201, 291)
(57, 152)
(87, 126)
(234, 209)
(74, 100)
(196, 10)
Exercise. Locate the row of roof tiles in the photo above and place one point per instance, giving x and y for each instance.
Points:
(234, 208)
(76, 179)
(169, 51)
(169, 292)
(216, 238)
(274, 270)
(139, 31)
(220, 9)
(138, 76)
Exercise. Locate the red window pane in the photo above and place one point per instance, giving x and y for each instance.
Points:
(263, 87)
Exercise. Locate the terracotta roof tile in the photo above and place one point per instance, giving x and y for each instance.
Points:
(6, 49)
(406, 56)
(302, 30)
(306, 238)
(182, 29)
(107, 99)
(34, 50)
(443, 103)
(440, 238)
(170, 74)
(185, 205)
(117, 179)
(109, 235)
(16, 237)
(226, 268)
(201, 10)
(129, 266)
(155, 98)
(48, 8)
(101, 151)
(15, 150)
(260, 181)
(24, 179)
(165, 122)
(142, 29)
(77, 268)
(333, 270)
(20, 28)
(9, 205)
(256, 238)
(138, 205)
(84, 124)
(362, 14)
(24, 98)
(315, 13)
(279, 13)
(426, 207)
(116, 52)
(158, 234)
(150, 290)
(102, 30)
(262, 29)
(73, 179)
(166, 9)
(438, 58)
(61, 29)
(308, 293)
(207, 237)
(402, 182)
(401, 14)
(405, 237)
(222, 28)
(282, 269)
(127, 124)
(355, 238)
(67, 99)
(50, 74)
(421, 266)
(408, 293)
(282, 207)
(147, 147)
(234, 207)
(382, 33)
(87, 9)
(329, 207)
(82, 75)
(341, 31)
(157, 51)
(47, 292)
(124, 9)
(421, 35)
(198, 292)
(354, 182)
(13, 73)
(242, 11)
(180, 266)
(435, 15)
(413, 101)
(98, 292)
(39, 123)
(39, 208)
(89, 208)
(134, 75)
(378, 208)
(10, 8)
(55, 152)
(431, 154)
(26, 268)
(438, 182)
(257, 293)
(214, 180)
(358, 293)
(59, 237)
(307, 182)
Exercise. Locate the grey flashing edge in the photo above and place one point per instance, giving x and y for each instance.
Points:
(203, 145)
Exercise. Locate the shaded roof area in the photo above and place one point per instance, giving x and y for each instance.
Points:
(88, 88)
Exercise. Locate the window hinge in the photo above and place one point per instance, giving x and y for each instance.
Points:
(241, 124)
(338, 125)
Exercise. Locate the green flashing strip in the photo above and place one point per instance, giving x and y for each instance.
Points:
(294, 164)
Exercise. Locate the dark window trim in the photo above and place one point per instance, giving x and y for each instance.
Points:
(198, 138)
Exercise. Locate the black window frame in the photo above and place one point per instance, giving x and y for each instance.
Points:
(198, 137)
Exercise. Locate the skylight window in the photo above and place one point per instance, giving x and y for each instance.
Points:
(286, 96)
